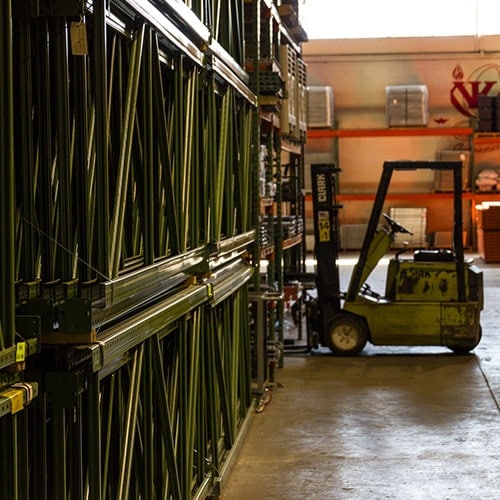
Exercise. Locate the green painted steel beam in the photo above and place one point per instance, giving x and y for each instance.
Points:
(7, 181)
(118, 175)
(130, 424)
(94, 436)
(147, 416)
(23, 458)
(226, 281)
(81, 177)
(200, 44)
(238, 243)
(8, 465)
(165, 158)
(100, 222)
(44, 125)
(220, 167)
(130, 291)
(165, 418)
(119, 339)
(26, 267)
(64, 232)
(168, 29)
(123, 173)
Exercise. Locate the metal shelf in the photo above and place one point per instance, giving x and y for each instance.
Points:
(486, 138)
(387, 132)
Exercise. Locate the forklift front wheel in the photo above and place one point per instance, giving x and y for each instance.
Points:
(347, 335)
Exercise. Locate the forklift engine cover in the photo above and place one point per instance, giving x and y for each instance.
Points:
(411, 281)
(421, 307)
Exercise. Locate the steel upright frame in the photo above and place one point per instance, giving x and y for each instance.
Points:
(127, 225)
(266, 34)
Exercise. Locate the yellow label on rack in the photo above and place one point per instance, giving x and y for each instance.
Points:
(20, 352)
(16, 397)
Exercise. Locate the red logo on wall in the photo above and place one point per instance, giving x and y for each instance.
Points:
(485, 80)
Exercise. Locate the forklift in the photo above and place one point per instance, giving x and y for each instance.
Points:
(432, 298)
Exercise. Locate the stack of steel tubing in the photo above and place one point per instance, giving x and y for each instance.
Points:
(127, 224)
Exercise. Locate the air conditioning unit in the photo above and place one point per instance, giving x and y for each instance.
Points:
(288, 117)
(301, 99)
(320, 107)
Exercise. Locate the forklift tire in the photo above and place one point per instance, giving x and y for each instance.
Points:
(461, 350)
(466, 349)
(346, 335)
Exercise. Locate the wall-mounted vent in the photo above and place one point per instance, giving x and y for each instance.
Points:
(320, 107)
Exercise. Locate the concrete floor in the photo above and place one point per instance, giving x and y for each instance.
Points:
(392, 423)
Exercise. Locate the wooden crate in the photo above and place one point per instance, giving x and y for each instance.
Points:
(488, 245)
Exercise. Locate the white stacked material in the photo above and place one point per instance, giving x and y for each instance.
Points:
(414, 219)
(320, 107)
(288, 119)
(301, 99)
(407, 105)
(488, 180)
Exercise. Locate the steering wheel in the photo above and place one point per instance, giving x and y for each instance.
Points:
(395, 226)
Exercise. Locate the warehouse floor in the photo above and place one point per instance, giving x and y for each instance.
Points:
(392, 423)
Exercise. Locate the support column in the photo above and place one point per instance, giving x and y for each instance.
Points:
(7, 242)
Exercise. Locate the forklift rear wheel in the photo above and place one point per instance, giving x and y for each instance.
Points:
(461, 349)
(347, 335)
(466, 349)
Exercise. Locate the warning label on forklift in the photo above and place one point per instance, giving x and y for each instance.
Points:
(324, 225)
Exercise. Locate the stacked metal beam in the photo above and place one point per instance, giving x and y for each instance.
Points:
(127, 221)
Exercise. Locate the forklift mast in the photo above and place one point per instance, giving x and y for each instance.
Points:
(326, 238)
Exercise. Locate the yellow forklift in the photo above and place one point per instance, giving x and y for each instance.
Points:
(433, 297)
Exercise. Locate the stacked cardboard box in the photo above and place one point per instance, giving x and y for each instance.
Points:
(488, 113)
(488, 231)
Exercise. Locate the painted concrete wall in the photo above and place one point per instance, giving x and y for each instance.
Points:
(359, 71)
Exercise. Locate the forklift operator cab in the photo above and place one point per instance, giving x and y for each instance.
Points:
(431, 298)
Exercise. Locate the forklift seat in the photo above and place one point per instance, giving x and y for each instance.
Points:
(435, 255)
